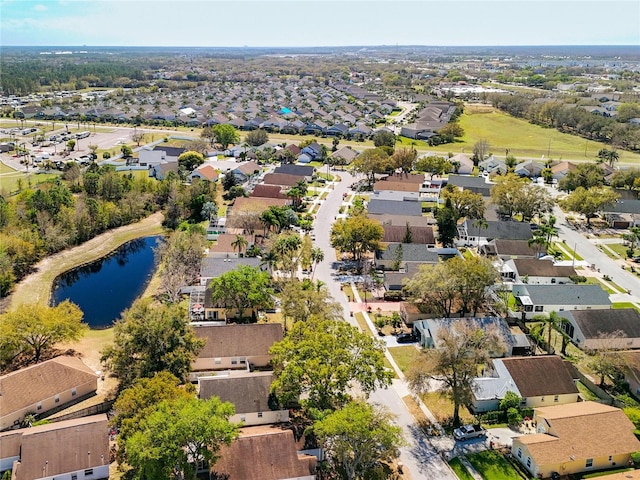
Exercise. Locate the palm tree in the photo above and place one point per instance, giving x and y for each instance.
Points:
(269, 259)
(317, 256)
(554, 322)
(239, 243)
(609, 156)
(480, 224)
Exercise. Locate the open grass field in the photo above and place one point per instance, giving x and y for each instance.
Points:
(442, 408)
(11, 182)
(522, 138)
(493, 466)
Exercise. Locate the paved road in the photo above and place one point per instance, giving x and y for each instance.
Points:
(420, 458)
(593, 256)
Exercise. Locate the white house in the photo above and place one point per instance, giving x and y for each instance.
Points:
(542, 299)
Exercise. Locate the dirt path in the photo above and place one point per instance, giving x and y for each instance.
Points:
(36, 287)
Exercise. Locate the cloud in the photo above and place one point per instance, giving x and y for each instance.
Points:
(40, 8)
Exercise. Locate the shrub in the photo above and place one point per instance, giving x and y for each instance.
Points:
(578, 278)
(393, 296)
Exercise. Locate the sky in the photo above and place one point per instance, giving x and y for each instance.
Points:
(268, 23)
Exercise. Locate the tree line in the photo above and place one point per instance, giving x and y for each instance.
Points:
(570, 118)
(82, 204)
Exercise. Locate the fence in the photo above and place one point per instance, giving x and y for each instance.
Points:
(103, 407)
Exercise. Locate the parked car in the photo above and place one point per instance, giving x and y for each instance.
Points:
(406, 338)
(467, 432)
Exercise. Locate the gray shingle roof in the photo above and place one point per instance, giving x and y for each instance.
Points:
(214, 267)
(502, 230)
(411, 252)
(578, 295)
(395, 208)
(594, 322)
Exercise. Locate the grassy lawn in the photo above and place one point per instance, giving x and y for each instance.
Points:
(604, 473)
(523, 138)
(10, 182)
(493, 466)
(362, 323)
(620, 305)
(585, 393)
(403, 356)
(442, 408)
(460, 470)
(596, 281)
(619, 248)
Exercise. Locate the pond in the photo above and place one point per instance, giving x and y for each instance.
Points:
(105, 288)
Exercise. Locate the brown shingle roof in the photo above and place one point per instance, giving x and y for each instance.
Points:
(261, 453)
(282, 179)
(224, 243)
(249, 168)
(415, 178)
(249, 392)
(541, 375)
(208, 172)
(584, 430)
(541, 268)
(396, 233)
(44, 380)
(268, 191)
(516, 248)
(64, 446)
(594, 322)
(396, 186)
(238, 340)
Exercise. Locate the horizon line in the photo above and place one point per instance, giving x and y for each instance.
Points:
(332, 46)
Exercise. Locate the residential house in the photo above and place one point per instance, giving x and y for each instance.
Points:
(43, 387)
(508, 249)
(401, 219)
(304, 172)
(344, 155)
(410, 313)
(493, 166)
(246, 171)
(542, 299)
(204, 172)
(235, 346)
(529, 168)
(281, 179)
(150, 158)
(267, 191)
(264, 453)
(399, 233)
(249, 392)
(245, 213)
(561, 170)
(396, 256)
(623, 214)
(339, 130)
(70, 449)
(631, 370)
(429, 330)
(214, 266)
(314, 150)
(533, 272)
(602, 329)
(377, 207)
(317, 127)
(472, 234)
(394, 280)
(473, 184)
(225, 248)
(462, 164)
(576, 437)
(161, 170)
(539, 380)
(396, 195)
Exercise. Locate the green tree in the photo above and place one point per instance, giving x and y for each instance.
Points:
(608, 156)
(150, 338)
(71, 145)
(225, 135)
(433, 165)
(384, 138)
(33, 329)
(190, 160)
(126, 151)
(505, 194)
(371, 162)
(356, 235)
(240, 244)
(288, 250)
(404, 159)
(464, 203)
(585, 175)
(208, 134)
(178, 435)
(451, 131)
(244, 288)
(320, 361)
(629, 179)
(317, 256)
(137, 402)
(510, 400)
(180, 256)
(447, 224)
(358, 437)
(553, 322)
(589, 202)
(453, 364)
(255, 138)
(303, 300)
